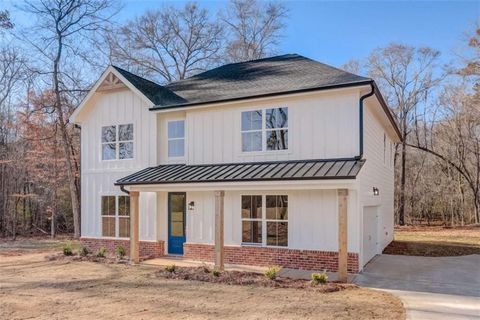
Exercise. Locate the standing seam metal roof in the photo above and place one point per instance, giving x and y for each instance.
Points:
(258, 171)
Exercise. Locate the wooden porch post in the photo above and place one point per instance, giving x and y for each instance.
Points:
(342, 235)
(219, 208)
(134, 242)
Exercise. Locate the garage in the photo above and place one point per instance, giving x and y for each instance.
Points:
(370, 238)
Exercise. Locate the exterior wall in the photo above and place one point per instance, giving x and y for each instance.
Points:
(312, 219)
(378, 171)
(98, 177)
(321, 125)
(288, 258)
(148, 249)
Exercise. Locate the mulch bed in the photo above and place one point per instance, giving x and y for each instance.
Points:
(204, 274)
(89, 258)
(428, 249)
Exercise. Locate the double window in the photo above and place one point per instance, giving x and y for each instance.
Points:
(265, 130)
(117, 142)
(176, 138)
(265, 220)
(115, 212)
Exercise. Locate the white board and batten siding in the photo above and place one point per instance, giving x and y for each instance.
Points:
(378, 171)
(98, 176)
(312, 218)
(321, 125)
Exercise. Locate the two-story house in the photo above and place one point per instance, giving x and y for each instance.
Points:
(278, 161)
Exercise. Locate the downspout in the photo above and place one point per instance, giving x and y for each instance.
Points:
(122, 187)
(360, 119)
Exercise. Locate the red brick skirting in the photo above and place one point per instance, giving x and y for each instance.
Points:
(148, 249)
(261, 256)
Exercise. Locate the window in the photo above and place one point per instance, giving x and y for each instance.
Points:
(265, 215)
(265, 130)
(117, 142)
(176, 138)
(115, 216)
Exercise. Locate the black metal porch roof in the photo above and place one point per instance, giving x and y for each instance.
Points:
(252, 171)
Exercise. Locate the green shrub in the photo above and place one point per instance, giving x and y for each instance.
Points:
(101, 252)
(272, 272)
(216, 273)
(171, 268)
(67, 249)
(319, 277)
(83, 251)
(120, 251)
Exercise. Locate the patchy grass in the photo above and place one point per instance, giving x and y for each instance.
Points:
(435, 241)
(33, 287)
(22, 245)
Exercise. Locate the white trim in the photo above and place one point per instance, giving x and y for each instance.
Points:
(74, 118)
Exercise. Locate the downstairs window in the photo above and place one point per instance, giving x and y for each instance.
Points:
(115, 212)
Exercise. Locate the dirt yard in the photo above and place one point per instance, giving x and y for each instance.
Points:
(32, 287)
(435, 241)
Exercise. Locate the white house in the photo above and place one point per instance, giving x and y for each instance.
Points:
(257, 163)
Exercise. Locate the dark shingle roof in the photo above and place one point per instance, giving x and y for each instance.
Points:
(156, 93)
(269, 76)
(258, 171)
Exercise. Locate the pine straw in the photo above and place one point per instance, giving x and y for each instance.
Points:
(241, 278)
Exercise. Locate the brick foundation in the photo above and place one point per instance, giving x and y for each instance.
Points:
(148, 249)
(261, 256)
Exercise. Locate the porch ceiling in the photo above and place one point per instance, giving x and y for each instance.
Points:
(330, 169)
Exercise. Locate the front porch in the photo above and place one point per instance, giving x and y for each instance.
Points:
(294, 214)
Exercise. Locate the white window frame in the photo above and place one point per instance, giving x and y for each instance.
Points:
(264, 219)
(264, 131)
(117, 142)
(116, 216)
(176, 158)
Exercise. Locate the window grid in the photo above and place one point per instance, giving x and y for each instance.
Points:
(125, 217)
(117, 142)
(264, 130)
(264, 221)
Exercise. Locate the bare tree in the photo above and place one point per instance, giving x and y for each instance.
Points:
(61, 29)
(406, 76)
(254, 28)
(168, 44)
(5, 21)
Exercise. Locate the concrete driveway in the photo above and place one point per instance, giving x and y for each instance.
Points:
(430, 287)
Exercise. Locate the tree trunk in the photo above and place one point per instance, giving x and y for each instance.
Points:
(71, 173)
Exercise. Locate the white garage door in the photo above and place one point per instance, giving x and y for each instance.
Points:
(370, 226)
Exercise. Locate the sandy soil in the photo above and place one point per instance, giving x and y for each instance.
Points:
(31, 287)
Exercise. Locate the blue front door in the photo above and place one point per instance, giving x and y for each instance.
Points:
(176, 222)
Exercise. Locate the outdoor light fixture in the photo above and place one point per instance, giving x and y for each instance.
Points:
(376, 192)
(191, 205)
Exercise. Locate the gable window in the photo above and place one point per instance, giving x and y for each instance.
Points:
(117, 142)
(176, 138)
(265, 220)
(115, 211)
(265, 130)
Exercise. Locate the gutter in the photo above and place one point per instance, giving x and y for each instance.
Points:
(122, 187)
(360, 119)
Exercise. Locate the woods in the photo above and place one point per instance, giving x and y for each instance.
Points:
(46, 69)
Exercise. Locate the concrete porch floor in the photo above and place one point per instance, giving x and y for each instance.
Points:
(179, 261)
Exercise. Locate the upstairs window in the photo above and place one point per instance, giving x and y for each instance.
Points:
(265, 130)
(176, 138)
(117, 142)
